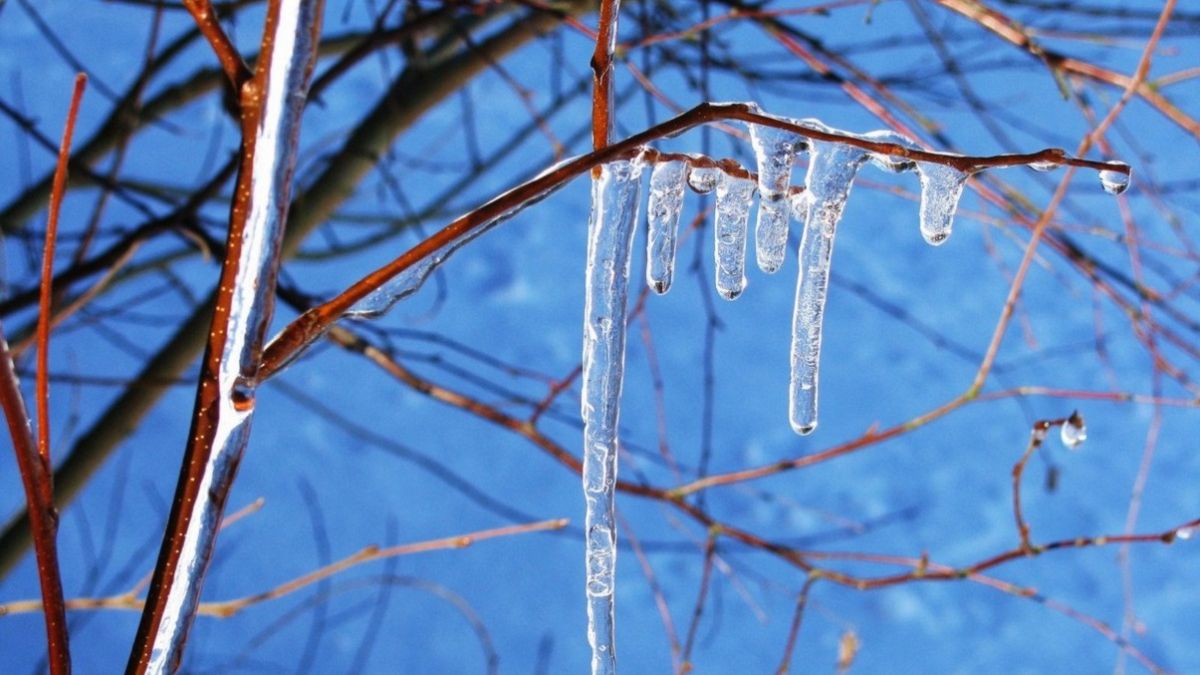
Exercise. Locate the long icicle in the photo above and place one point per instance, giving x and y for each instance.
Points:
(615, 198)
(831, 172)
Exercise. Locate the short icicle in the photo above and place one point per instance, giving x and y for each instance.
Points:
(941, 188)
(610, 249)
(831, 172)
(734, 195)
(667, 183)
(775, 152)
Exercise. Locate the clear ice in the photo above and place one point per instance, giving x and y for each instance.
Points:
(775, 152)
(1073, 432)
(408, 282)
(273, 162)
(941, 187)
(831, 171)
(1114, 182)
(703, 179)
(734, 195)
(667, 182)
(610, 249)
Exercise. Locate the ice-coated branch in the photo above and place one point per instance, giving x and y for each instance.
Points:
(271, 106)
(306, 328)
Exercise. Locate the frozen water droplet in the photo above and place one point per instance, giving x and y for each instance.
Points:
(891, 163)
(941, 188)
(1114, 182)
(1044, 166)
(734, 195)
(831, 171)
(241, 395)
(775, 152)
(1184, 533)
(667, 182)
(1073, 432)
(703, 179)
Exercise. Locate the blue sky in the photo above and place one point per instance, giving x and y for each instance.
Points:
(905, 328)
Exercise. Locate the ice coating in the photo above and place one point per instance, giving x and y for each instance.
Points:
(235, 347)
(610, 249)
(831, 171)
(667, 182)
(941, 187)
(734, 195)
(775, 152)
(408, 282)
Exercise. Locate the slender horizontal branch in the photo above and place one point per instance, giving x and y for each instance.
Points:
(306, 328)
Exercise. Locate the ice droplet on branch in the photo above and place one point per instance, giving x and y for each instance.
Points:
(1114, 182)
(615, 196)
(1073, 432)
(702, 179)
(941, 188)
(831, 171)
(775, 152)
(734, 196)
(667, 182)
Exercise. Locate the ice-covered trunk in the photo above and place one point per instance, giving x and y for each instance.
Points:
(831, 171)
(667, 183)
(229, 371)
(610, 248)
(774, 152)
(734, 195)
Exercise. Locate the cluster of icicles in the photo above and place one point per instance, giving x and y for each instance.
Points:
(832, 168)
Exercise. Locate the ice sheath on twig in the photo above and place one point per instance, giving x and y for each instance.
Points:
(271, 106)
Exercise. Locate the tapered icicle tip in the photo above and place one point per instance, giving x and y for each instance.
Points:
(1115, 182)
(941, 188)
(734, 197)
(667, 185)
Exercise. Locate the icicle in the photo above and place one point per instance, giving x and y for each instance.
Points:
(610, 248)
(1073, 432)
(734, 195)
(666, 203)
(1114, 182)
(703, 179)
(831, 171)
(775, 151)
(941, 187)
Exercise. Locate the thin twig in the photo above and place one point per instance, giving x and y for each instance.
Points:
(47, 289)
